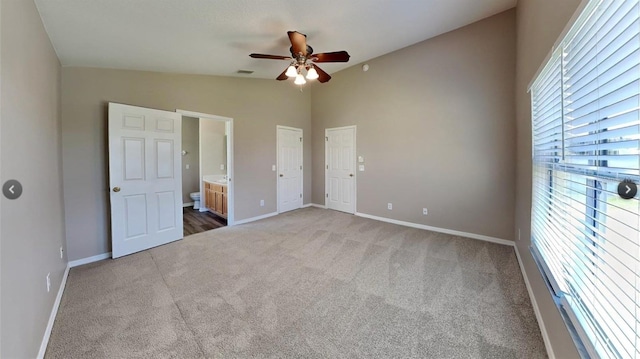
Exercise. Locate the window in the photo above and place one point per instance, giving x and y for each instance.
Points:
(586, 140)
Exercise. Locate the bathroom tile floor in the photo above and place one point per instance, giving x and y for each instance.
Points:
(195, 221)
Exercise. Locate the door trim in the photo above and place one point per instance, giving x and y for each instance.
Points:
(355, 165)
(230, 166)
(278, 127)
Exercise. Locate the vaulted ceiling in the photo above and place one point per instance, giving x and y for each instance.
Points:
(216, 36)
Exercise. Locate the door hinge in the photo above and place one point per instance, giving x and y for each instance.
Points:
(327, 166)
(326, 139)
(300, 195)
(327, 195)
(300, 167)
(300, 139)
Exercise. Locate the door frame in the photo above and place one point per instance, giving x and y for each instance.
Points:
(355, 165)
(230, 166)
(278, 127)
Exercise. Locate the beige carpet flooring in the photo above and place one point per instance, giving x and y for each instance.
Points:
(310, 283)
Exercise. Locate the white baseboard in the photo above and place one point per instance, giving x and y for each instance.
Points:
(188, 204)
(441, 230)
(99, 257)
(52, 316)
(317, 205)
(307, 205)
(252, 219)
(536, 310)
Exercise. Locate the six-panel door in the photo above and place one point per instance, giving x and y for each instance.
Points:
(145, 178)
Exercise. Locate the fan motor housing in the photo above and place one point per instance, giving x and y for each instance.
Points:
(295, 56)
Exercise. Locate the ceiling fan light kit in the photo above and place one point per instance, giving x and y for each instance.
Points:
(302, 57)
(300, 80)
(312, 74)
(291, 71)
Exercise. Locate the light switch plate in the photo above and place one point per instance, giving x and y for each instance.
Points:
(360, 159)
(273, 168)
(222, 166)
(361, 168)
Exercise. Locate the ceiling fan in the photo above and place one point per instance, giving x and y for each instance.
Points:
(303, 58)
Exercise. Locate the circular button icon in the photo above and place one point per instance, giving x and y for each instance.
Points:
(12, 189)
(627, 189)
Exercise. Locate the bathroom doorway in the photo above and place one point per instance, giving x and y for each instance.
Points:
(207, 167)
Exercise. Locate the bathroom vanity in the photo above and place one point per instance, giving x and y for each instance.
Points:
(216, 197)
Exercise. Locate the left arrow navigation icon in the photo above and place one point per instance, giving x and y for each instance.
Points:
(12, 189)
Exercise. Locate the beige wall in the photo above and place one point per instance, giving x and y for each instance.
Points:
(435, 124)
(191, 144)
(32, 227)
(256, 106)
(540, 22)
(212, 147)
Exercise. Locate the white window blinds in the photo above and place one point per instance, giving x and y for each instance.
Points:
(586, 140)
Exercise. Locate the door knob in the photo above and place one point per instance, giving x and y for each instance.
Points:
(281, 175)
(116, 189)
(350, 174)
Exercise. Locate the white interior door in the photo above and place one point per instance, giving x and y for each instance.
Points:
(289, 168)
(144, 177)
(340, 181)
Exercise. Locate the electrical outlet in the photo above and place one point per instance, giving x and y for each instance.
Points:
(48, 282)
(262, 203)
(389, 206)
(424, 211)
(61, 253)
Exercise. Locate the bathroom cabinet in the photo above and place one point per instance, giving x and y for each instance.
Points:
(216, 198)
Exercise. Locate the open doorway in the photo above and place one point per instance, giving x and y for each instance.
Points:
(207, 165)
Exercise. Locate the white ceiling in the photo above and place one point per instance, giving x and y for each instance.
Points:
(216, 36)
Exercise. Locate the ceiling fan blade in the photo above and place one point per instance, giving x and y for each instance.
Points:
(322, 76)
(298, 42)
(282, 75)
(270, 57)
(337, 56)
